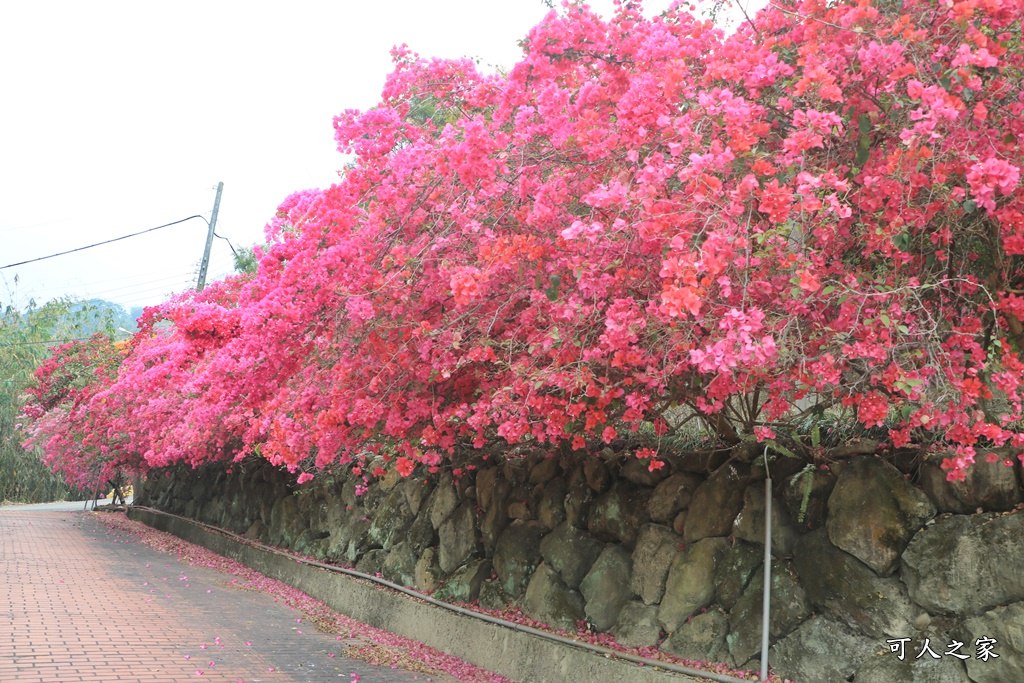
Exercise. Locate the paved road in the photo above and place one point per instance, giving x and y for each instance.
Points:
(63, 506)
(82, 603)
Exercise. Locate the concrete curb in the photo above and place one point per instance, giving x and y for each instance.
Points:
(519, 656)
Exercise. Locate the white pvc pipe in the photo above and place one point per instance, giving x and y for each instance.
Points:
(767, 600)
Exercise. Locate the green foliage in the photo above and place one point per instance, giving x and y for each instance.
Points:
(806, 479)
(97, 316)
(835, 427)
(246, 261)
(26, 338)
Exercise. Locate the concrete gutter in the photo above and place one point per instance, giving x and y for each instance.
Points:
(504, 647)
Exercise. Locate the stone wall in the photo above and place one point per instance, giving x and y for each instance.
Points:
(865, 553)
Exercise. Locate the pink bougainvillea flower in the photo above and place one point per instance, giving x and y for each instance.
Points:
(808, 281)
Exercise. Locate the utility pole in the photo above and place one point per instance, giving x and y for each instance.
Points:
(209, 240)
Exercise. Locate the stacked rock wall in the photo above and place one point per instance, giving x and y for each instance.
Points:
(868, 558)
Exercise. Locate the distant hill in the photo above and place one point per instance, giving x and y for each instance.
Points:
(99, 315)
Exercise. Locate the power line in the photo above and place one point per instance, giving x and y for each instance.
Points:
(142, 293)
(152, 295)
(153, 292)
(97, 244)
(135, 286)
(171, 275)
(136, 276)
(54, 222)
(230, 246)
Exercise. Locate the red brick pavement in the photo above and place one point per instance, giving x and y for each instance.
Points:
(81, 603)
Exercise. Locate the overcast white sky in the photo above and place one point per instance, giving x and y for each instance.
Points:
(121, 116)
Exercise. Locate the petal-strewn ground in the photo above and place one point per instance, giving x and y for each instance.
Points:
(94, 597)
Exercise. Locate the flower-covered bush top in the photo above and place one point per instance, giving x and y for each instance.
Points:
(65, 422)
(822, 210)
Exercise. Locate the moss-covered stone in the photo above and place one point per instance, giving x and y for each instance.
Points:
(715, 504)
(570, 552)
(735, 569)
(400, 564)
(967, 564)
(874, 511)
(690, 584)
(849, 591)
(390, 520)
(656, 547)
(465, 582)
(606, 587)
(701, 638)
(516, 556)
(551, 602)
(789, 606)
(619, 514)
(457, 538)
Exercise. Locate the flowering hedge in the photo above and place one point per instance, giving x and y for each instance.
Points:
(643, 217)
(64, 421)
